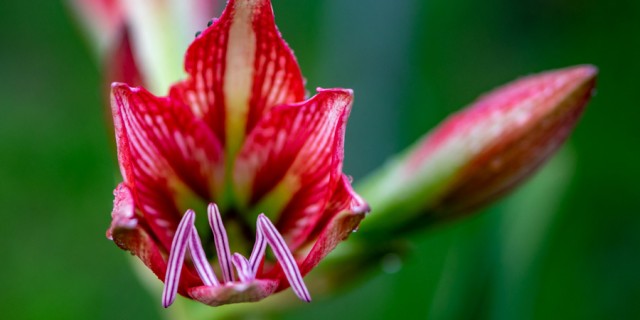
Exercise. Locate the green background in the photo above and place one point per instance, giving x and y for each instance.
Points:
(565, 246)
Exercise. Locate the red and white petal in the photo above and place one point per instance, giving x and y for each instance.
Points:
(341, 217)
(234, 292)
(264, 71)
(292, 161)
(131, 234)
(162, 150)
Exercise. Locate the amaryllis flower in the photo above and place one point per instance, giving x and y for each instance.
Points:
(238, 138)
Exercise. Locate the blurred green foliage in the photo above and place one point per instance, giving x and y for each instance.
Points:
(565, 246)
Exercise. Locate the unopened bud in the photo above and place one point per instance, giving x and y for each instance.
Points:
(481, 153)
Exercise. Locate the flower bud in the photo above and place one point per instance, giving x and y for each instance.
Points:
(482, 152)
(155, 33)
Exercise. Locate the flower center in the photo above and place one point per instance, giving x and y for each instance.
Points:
(187, 238)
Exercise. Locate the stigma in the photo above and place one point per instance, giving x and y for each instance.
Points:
(187, 238)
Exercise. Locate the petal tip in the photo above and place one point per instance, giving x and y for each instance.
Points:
(117, 84)
(587, 71)
(342, 92)
(121, 88)
(363, 208)
(123, 213)
(580, 74)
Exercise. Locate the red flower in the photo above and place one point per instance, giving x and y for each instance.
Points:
(237, 132)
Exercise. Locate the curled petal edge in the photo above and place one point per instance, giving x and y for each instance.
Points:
(128, 232)
(342, 217)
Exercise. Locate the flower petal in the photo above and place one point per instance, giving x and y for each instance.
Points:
(162, 30)
(341, 217)
(292, 161)
(234, 292)
(163, 151)
(265, 73)
(131, 234)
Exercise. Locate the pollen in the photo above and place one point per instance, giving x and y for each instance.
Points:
(187, 238)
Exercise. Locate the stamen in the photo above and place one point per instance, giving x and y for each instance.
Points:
(186, 237)
(284, 256)
(258, 250)
(176, 257)
(200, 260)
(243, 268)
(222, 242)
